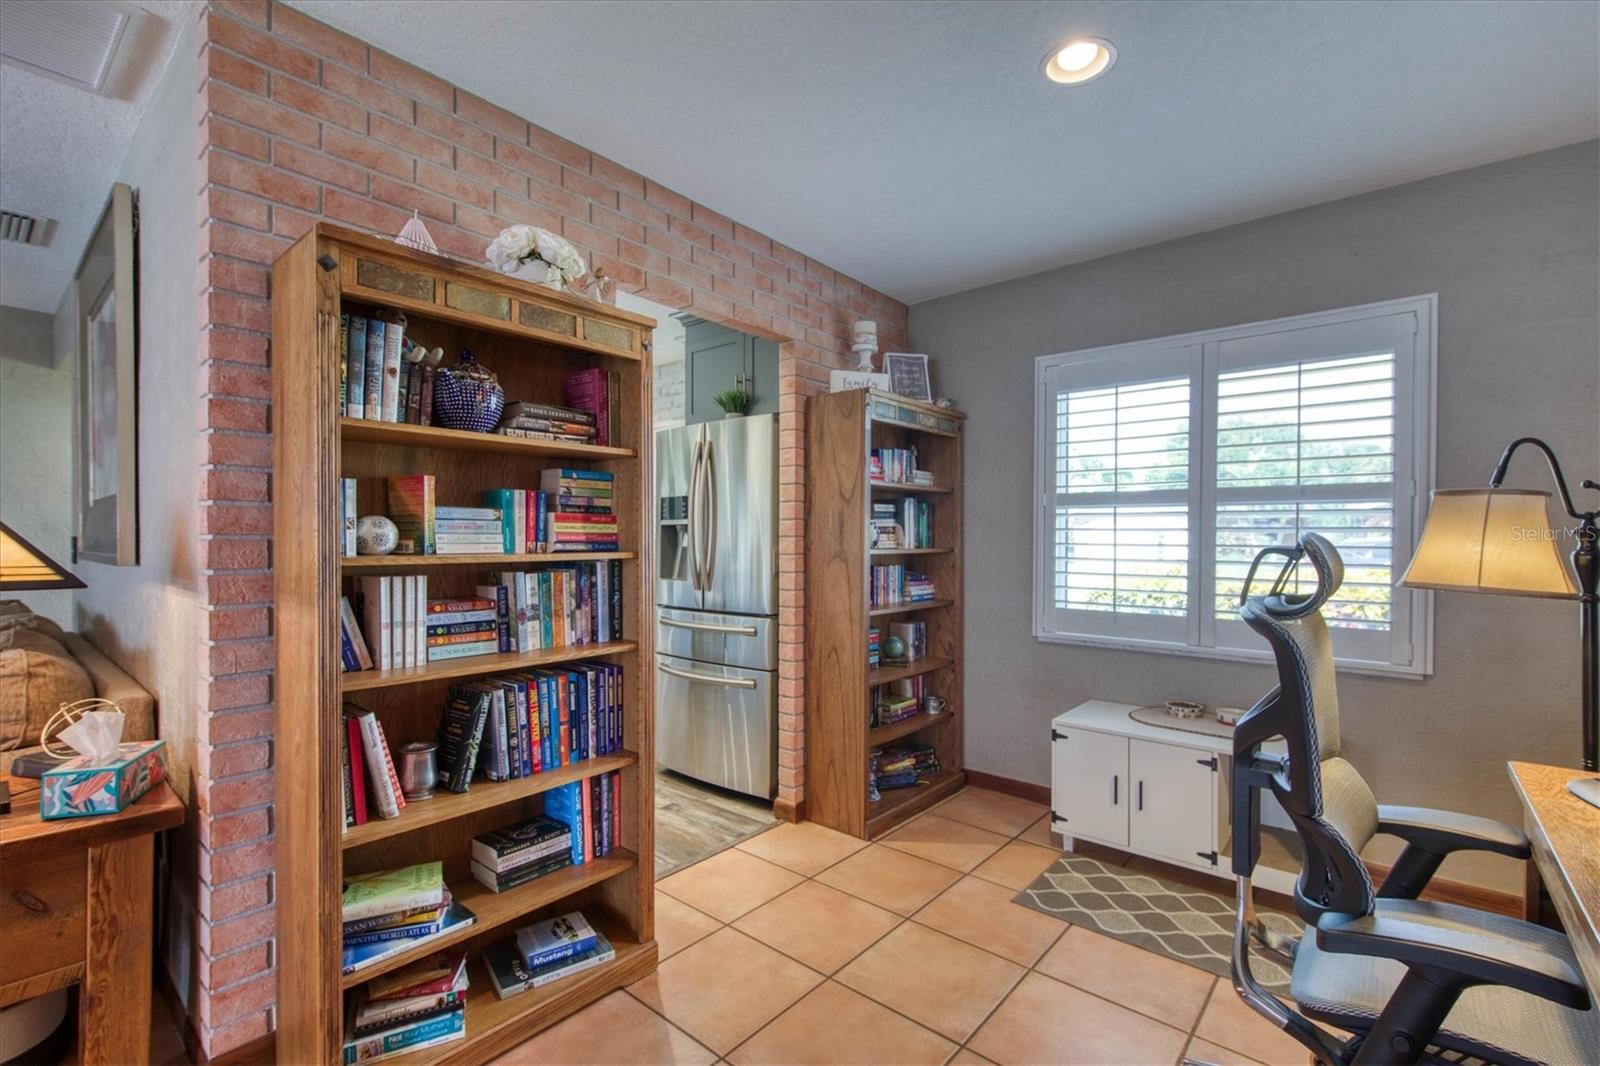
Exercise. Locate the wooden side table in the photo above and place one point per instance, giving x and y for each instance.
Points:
(76, 908)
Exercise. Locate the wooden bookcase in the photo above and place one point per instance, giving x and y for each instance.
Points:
(842, 429)
(531, 337)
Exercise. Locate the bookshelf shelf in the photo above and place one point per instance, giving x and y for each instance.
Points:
(406, 436)
(843, 430)
(370, 563)
(534, 340)
(495, 909)
(448, 806)
(907, 608)
(478, 665)
(891, 672)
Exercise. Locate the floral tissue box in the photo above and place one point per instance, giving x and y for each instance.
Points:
(82, 786)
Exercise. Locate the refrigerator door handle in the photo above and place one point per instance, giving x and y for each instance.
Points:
(710, 679)
(691, 524)
(709, 570)
(710, 627)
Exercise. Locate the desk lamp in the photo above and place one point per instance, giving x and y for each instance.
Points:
(1498, 540)
(22, 566)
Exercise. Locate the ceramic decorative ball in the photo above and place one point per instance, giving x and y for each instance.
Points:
(894, 648)
(376, 535)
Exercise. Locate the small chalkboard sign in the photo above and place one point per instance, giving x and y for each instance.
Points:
(908, 376)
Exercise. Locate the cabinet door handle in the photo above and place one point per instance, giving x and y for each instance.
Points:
(1114, 790)
(1140, 800)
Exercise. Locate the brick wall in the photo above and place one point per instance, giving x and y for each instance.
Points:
(300, 122)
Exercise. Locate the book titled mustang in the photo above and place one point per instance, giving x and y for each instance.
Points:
(509, 974)
(554, 939)
(357, 957)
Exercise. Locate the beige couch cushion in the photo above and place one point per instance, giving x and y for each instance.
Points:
(37, 675)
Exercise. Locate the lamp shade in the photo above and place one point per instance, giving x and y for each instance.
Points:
(22, 566)
(1490, 540)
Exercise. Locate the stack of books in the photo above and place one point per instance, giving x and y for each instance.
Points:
(598, 393)
(369, 779)
(896, 466)
(516, 854)
(581, 515)
(393, 633)
(460, 628)
(467, 530)
(895, 584)
(874, 648)
(889, 707)
(885, 525)
(903, 766)
(547, 421)
(544, 952)
(556, 607)
(592, 809)
(516, 725)
(415, 1007)
(393, 911)
(382, 376)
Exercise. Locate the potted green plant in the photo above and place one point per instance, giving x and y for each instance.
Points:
(735, 403)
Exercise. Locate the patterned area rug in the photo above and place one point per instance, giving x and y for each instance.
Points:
(1192, 925)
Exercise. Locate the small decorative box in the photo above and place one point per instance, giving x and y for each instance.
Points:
(82, 786)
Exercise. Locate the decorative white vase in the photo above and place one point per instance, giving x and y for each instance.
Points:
(540, 273)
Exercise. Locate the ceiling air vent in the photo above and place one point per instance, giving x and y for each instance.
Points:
(78, 43)
(25, 229)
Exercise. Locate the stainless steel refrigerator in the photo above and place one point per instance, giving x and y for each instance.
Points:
(717, 602)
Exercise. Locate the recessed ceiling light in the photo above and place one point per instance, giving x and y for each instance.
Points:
(1079, 59)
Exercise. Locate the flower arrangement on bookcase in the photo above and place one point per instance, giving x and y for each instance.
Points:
(883, 699)
(449, 902)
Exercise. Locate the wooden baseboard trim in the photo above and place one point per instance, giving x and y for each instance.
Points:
(784, 810)
(256, 1052)
(1464, 895)
(1009, 786)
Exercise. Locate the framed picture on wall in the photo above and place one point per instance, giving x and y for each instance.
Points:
(105, 297)
(908, 376)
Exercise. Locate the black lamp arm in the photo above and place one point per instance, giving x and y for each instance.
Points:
(1555, 472)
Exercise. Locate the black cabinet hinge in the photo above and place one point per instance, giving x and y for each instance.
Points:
(1054, 817)
(1211, 762)
(1054, 735)
(1208, 856)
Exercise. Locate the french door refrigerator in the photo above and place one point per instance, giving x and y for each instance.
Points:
(717, 602)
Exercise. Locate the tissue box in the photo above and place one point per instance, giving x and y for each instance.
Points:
(81, 787)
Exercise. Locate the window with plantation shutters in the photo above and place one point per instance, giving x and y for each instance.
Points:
(1165, 466)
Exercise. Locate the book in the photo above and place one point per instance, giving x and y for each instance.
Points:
(509, 974)
(355, 342)
(525, 409)
(413, 930)
(445, 971)
(347, 514)
(395, 323)
(403, 1038)
(554, 939)
(522, 875)
(586, 390)
(378, 616)
(352, 633)
(356, 760)
(425, 414)
(389, 891)
(380, 766)
(460, 735)
(437, 653)
(504, 848)
(413, 408)
(383, 921)
(372, 1015)
(345, 782)
(357, 957)
(412, 508)
(373, 405)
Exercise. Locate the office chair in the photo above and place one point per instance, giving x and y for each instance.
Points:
(1411, 980)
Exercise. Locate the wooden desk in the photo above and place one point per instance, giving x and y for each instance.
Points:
(1565, 833)
(75, 908)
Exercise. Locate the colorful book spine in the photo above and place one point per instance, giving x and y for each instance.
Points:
(412, 508)
(380, 766)
(373, 405)
(354, 753)
(394, 329)
(405, 1038)
(355, 343)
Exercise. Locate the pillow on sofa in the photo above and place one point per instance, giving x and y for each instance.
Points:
(15, 616)
(37, 676)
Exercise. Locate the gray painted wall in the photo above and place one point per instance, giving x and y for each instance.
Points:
(1511, 249)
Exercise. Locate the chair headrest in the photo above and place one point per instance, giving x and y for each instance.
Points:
(1329, 567)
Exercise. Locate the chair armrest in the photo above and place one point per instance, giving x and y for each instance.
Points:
(1441, 832)
(1477, 946)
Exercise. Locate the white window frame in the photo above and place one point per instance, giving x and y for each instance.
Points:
(1408, 651)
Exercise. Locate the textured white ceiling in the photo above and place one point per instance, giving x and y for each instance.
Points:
(918, 147)
(60, 149)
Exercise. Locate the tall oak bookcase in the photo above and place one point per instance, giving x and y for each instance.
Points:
(532, 338)
(842, 429)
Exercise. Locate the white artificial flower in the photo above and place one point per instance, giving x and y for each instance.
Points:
(519, 244)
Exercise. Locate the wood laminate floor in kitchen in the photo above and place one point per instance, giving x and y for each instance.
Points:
(694, 821)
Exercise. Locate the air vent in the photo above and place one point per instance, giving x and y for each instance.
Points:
(25, 229)
(77, 43)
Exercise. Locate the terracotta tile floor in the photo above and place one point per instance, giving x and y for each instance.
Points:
(804, 946)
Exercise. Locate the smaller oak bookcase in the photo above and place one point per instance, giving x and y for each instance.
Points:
(844, 429)
(532, 338)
